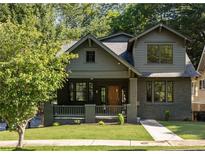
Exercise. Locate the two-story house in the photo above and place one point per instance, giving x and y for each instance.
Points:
(139, 76)
(198, 91)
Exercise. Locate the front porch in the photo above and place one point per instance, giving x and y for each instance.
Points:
(91, 100)
(89, 113)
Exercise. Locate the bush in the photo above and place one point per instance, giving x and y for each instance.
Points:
(56, 124)
(166, 115)
(101, 123)
(77, 122)
(121, 119)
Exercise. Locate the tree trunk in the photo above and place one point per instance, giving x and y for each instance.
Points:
(21, 132)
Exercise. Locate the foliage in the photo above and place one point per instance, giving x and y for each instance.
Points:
(101, 123)
(121, 119)
(56, 124)
(78, 122)
(30, 72)
(166, 115)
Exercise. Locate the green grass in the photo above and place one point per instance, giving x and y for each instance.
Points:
(101, 148)
(84, 131)
(186, 130)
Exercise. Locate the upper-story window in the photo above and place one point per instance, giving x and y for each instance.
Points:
(202, 84)
(90, 56)
(160, 53)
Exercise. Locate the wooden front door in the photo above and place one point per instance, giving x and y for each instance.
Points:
(114, 95)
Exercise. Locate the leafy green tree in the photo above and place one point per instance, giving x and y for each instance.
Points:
(30, 73)
(80, 19)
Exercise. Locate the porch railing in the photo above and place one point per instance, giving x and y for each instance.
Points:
(67, 110)
(110, 110)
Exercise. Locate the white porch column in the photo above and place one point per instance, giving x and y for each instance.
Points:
(132, 106)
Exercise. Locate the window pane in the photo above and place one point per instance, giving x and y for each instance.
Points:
(203, 84)
(200, 84)
(71, 93)
(123, 96)
(149, 91)
(81, 91)
(170, 91)
(159, 91)
(91, 92)
(90, 56)
(152, 54)
(166, 55)
(102, 94)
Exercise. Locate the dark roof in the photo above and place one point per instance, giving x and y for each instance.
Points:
(110, 37)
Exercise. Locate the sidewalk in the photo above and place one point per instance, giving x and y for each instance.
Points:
(158, 131)
(103, 143)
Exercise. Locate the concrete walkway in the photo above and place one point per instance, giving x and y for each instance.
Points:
(159, 132)
(103, 143)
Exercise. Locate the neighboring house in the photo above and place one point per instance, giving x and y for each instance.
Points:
(150, 72)
(198, 91)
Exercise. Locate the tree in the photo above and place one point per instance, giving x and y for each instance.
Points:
(30, 73)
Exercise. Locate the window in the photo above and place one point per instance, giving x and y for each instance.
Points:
(90, 56)
(159, 91)
(123, 94)
(160, 53)
(149, 91)
(202, 84)
(169, 91)
(81, 91)
(102, 95)
(91, 92)
(71, 90)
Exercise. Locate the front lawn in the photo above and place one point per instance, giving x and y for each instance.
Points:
(186, 130)
(102, 148)
(83, 131)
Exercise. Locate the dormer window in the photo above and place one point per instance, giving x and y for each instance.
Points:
(90, 56)
(160, 53)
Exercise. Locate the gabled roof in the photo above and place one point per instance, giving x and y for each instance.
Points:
(89, 36)
(201, 65)
(160, 26)
(116, 47)
(115, 35)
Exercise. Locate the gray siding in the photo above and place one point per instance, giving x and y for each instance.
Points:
(140, 52)
(105, 65)
(179, 109)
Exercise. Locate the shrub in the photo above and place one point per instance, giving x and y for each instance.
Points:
(56, 124)
(77, 122)
(101, 123)
(166, 115)
(121, 119)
